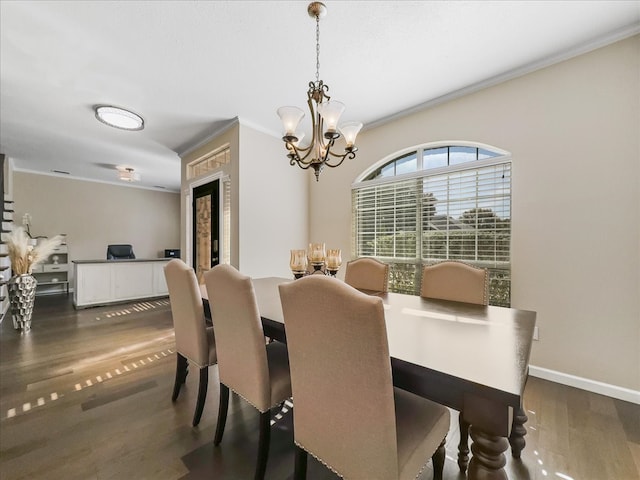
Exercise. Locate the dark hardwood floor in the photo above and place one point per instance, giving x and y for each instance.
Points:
(86, 395)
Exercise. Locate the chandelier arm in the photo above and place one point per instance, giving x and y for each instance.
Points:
(349, 155)
(295, 155)
(296, 150)
(347, 151)
(302, 165)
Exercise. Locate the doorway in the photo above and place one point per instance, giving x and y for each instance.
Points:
(206, 227)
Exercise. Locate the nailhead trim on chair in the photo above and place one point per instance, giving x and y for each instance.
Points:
(386, 275)
(317, 458)
(252, 404)
(337, 473)
(485, 294)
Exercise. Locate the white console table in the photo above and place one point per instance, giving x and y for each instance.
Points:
(101, 282)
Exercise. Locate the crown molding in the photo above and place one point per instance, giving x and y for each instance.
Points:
(119, 183)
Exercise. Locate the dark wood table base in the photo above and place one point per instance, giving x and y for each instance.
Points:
(488, 457)
(518, 431)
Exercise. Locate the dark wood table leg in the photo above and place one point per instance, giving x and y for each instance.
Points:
(518, 431)
(490, 426)
(463, 446)
(488, 457)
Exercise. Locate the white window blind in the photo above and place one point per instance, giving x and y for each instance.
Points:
(466, 215)
(385, 220)
(461, 213)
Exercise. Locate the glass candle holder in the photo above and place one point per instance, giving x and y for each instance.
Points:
(334, 260)
(298, 263)
(317, 255)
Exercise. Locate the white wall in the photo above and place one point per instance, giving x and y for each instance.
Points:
(273, 205)
(573, 130)
(94, 215)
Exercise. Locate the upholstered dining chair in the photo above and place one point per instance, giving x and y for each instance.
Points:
(367, 274)
(459, 282)
(256, 371)
(456, 281)
(346, 411)
(195, 341)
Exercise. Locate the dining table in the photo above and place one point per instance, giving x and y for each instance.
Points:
(471, 358)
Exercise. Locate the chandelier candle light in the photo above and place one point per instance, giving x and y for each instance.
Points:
(325, 115)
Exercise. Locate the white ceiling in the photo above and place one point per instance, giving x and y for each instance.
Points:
(189, 67)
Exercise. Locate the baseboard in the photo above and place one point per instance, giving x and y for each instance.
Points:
(587, 384)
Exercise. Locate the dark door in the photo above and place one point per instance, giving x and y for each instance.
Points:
(206, 227)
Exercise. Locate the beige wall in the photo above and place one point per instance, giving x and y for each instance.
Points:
(94, 215)
(230, 136)
(573, 130)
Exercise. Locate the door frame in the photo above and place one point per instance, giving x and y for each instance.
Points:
(189, 213)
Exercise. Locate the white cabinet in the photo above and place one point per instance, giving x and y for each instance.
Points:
(159, 280)
(133, 280)
(102, 282)
(92, 284)
(53, 274)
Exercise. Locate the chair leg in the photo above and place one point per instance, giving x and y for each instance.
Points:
(263, 444)
(300, 471)
(438, 459)
(202, 395)
(181, 375)
(222, 413)
(463, 446)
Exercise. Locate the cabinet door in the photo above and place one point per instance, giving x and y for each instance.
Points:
(160, 282)
(94, 284)
(133, 280)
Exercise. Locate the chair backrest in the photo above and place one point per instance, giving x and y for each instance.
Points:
(240, 342)
(120, 251)
(367, 274)
(344, 411)
(187, 311)
(457, 281)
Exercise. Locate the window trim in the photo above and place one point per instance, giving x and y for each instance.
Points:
(502, 157)
(360, 179)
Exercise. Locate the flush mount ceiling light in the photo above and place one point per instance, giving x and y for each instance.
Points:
(126, 174)
(118, 117)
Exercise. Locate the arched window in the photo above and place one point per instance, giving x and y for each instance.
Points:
(433, 203)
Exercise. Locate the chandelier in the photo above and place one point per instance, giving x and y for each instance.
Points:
(325, 114)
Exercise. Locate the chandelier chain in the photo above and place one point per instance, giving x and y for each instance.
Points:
(317, 48)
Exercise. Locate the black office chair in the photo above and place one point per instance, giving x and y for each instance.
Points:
(118, 252)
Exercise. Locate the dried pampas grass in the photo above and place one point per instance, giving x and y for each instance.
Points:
(25, 256)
